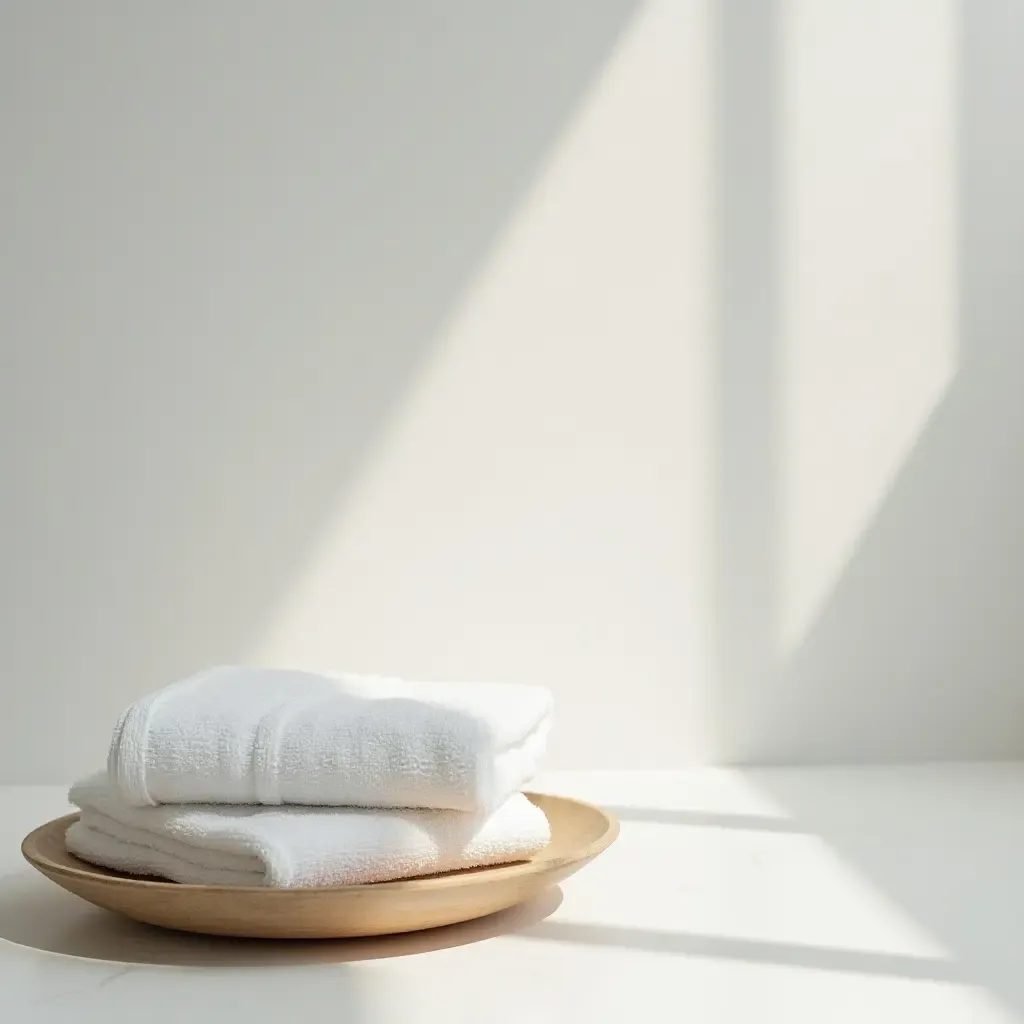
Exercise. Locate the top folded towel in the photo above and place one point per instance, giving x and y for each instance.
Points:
(272, 736)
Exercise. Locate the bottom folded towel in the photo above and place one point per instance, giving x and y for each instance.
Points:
(294, 847)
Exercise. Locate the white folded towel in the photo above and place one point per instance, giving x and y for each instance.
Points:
(294, 847)
(268, 736)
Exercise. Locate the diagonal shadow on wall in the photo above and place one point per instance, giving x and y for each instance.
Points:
(917, 652)
(230, 234)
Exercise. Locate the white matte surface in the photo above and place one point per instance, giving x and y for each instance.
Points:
(838, 895)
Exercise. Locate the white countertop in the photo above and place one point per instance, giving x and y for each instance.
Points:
(817, 895)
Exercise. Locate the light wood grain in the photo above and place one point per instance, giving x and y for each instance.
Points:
(579, 832)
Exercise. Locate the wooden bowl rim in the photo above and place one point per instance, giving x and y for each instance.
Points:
(453, 879)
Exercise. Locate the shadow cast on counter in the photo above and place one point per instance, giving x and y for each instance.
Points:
(216, 287)
(39, 915)
(718, 947)
(942, 844)
(702, 819)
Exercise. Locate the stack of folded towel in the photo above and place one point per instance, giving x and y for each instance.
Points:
(242, 776)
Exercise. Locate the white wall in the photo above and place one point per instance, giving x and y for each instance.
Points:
(352, 335)
(871, 556)
(662, 352)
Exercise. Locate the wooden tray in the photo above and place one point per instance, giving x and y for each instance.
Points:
(579, 832)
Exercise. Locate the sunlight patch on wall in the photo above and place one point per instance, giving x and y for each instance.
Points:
(538, 507)
(869, 269)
